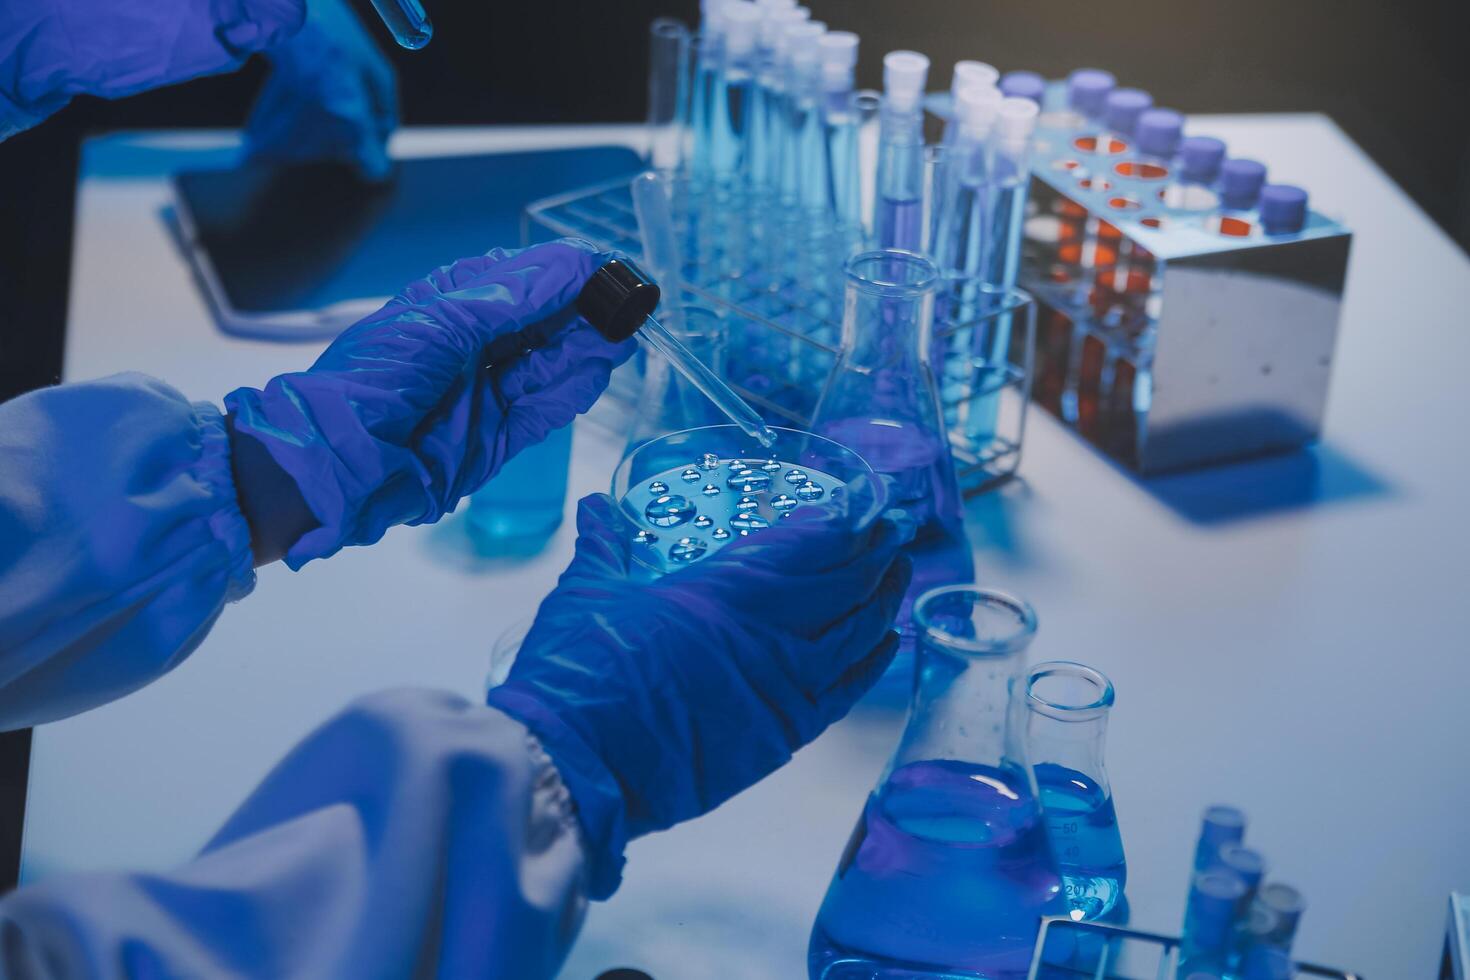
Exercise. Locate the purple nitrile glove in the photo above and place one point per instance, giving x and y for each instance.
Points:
(51, 50)
(331, 96)
(399, 418)
(660, 700)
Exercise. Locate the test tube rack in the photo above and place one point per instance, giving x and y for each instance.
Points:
(783, 324)
(1067, 949)
(1172, 337)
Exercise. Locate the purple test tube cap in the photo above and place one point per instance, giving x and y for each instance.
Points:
(1201, 157)
(1241, 182)
(1158, 132)
(1123, 107)
(1283, 209)
(1023, 85)
(1087, 90)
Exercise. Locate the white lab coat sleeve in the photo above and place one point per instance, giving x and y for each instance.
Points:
(121, 540)
(416, 834)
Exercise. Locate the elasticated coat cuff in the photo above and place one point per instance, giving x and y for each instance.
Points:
(594, 789)
(227, 523)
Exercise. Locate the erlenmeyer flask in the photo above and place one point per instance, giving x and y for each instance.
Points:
(949, 869)
(880, 400)
(1068, 707)
(669, 402)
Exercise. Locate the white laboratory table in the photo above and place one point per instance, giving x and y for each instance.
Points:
(1290, 637)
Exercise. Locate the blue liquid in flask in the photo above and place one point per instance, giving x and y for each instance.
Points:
(524, 501)
(948, 870)
(1085, 839)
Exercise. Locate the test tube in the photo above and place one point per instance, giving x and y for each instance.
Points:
(1221, 825)
(1209, 920)
(408, 21)
(1240, 184)
(668, 92)
(1275, 915)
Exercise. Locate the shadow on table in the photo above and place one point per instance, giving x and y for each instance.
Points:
(1310, 477)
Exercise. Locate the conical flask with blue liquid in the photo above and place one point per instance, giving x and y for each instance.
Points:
(1068, 706)
(949, 869)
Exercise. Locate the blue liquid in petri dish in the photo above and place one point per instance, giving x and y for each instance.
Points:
(1085, 839)
(948, 869)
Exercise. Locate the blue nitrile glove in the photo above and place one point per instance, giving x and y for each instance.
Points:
(660, 700)
(398, 419)
(51, 50)
(331, 95)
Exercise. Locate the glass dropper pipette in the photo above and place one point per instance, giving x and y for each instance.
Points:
(619, 301)
(408, 21)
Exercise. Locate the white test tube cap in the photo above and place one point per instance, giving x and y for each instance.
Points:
(904, 75)
(1017, 119)
(800, 42)
(968, 73)
(741, 21)
(773, 27)
(711, 19)
(976, 108)
(839, 52)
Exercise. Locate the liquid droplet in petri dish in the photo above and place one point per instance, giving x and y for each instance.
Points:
(709, 461)
(710, 490)
(703, 521)
(748, 481)
(795, 477)
(810, 490)
(669, 510)
(747, 504)
(658, 487)
(646, 537)
(687, 549)
(783, 502)
(720, 534)
(691, 475)
(745, 523)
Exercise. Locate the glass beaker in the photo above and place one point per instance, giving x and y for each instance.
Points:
(949, 868)
(880, 399)
(1068, 706)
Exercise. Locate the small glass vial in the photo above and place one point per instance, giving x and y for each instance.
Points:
(1068, 705)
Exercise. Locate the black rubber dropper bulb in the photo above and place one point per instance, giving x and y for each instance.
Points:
(618, 299)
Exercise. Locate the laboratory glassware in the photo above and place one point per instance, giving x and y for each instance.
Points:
(967, 74)
(668, 93)
(706, 98)
(525, 500)
(880, 398)
(731, 115)
(899, 219)
(1192, 191)
(1209, 921)
(1009, 179)
(689, 493)
(1241, 181)
(669, 402)
(1219, 826)
(619, 301)
(1068, 706)
(408, 21)
(1265, 951)
(839, 186)
(949, 869)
